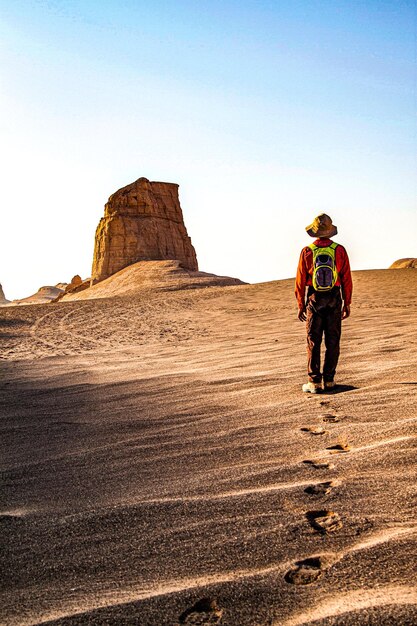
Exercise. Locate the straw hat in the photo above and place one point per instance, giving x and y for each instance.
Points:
(322, 226)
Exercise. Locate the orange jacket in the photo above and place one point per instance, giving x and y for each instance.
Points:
(305, 272)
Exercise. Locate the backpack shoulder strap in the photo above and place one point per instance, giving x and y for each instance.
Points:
(333, 245)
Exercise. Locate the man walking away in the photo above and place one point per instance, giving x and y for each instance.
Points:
(325, 270)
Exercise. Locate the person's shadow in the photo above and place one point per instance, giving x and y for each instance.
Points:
(340, 389)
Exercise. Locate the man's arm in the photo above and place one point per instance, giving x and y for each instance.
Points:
(300, 287)
(346, 283)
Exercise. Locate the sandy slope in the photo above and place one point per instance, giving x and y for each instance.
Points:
(154, 275)
(153, 453)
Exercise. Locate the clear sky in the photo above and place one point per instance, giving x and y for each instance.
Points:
(265, 112)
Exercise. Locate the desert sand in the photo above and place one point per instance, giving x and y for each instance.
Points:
(161, 465)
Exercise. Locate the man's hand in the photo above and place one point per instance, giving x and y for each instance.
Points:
(345, 311)
(302, 314)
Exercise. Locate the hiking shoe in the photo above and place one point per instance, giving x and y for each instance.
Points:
(329, 384)
(312, 388)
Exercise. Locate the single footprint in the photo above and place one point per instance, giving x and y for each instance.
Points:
(339, 448)
(314, 430)
(328, 417)
(319, 463)
(324, 521)
(305, 572)
(203, 613)
(321, 489)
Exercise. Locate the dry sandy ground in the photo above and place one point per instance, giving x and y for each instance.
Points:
(154, 453)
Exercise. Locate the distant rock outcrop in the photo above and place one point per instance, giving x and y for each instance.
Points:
(142, 221)
(52, 294)
(404, 264)
(3, 299)
(42, 296)
(77, 284)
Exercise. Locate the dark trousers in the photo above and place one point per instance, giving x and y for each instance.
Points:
(324, 315)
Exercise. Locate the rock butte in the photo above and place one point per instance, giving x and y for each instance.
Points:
(142, 222)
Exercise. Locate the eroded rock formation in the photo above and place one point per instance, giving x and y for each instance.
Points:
(142, 221)
(3, 299)
(77, 284)
(42, 296)
(409, 263)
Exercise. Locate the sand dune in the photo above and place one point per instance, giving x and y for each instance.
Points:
(153, 275)
(154, 448)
